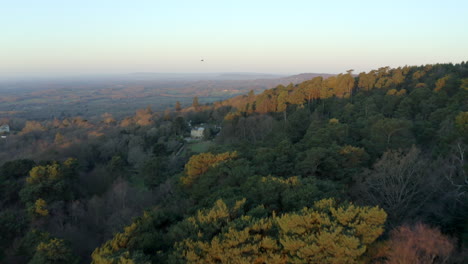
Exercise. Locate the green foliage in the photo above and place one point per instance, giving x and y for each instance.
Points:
(155, 171)
(114, 250)
(390, 133)
(145, 237)
(30, 241)
(11, 174)
(54, 251)
(281, 150)
(15, 169)
(50, 182)
(12, 224)
(461, 123)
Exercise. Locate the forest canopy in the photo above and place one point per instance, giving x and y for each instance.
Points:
(353, 168)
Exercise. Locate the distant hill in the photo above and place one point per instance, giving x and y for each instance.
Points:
(205, 76)
(304, 77)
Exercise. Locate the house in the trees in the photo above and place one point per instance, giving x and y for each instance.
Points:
(197, 132)
(4, 129)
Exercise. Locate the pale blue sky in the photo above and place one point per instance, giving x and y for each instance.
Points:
(63, 37)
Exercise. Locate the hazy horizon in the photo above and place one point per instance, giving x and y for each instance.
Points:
(54, 38)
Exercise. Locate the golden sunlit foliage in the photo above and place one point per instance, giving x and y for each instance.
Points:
(333, 121)
(353, 155)
(464, 84)
(50, 182)
(40, 207)
(43, 173)
(115, 250)
(326, 233)
(31, 126)
(219, 212)
(58, 138)
(50, 172)
(440, 83)
(396, 92)
(126, 122)
(232, 115)
(288, 181)
(108, 119)
(53, 251)
(144, 117)
(418, 75)
(199, 164)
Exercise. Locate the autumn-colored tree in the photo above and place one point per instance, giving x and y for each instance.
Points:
(282, 102)
(195, 102)
(418, 244)
(78, 121)
(45, 173)
(344, 85)
(232, 115)
(178, 107)
(392, 92)
(464, 84)
(31, 126)
(327, 89)
(108, 119)
(116, 249)
(312, 88)
(58, 138)
(398, 77)
(251, 94)
(418, 75)
(50, 182)
(326, 233)
(367, 80)
(199, 164)
(383, 82)
(54, 251)
(353, 156)
(126, 122)
(144, 117)
(267, 101)
(297, 96)
(40, 208)
(440, 83)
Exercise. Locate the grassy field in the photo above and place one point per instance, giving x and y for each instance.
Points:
(200, 147)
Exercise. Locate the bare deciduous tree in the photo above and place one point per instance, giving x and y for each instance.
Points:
(400, 182)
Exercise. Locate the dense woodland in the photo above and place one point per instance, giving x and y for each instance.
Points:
(367, 168)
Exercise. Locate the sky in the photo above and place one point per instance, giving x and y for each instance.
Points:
(79, 37)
